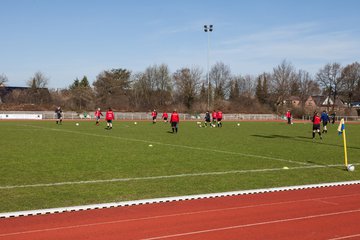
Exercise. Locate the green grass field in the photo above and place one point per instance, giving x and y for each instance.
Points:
(43, 165)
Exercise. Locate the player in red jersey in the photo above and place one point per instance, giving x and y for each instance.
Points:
(214, 118)
(165, 117)
(316, 125)
(174, 121)
(109, 117)
(219, 116)
(98, 114)
(154, 116)
(288, 116)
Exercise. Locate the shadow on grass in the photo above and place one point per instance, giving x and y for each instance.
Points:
(302, 139)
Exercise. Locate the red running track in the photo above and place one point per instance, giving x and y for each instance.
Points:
(318, 213)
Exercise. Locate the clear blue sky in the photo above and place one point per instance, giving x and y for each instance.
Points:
(67, 39)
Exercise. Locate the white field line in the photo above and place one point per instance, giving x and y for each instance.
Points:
(174, 145)
(254, 224)
(163, 177)
(178, 198)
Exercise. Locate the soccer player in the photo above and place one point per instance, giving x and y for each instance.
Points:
(174, 121)
(98, 114)
(109, 117)
(154, 116)
(316, 125)
(207, 118)
(165, 117)
(325, 119)
(219, 118)
(59, 115)
(288, 116)
(333, 115)
(214, 118)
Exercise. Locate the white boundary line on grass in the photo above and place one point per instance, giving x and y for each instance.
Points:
(162, 177)
(169, 199)
(173, 145)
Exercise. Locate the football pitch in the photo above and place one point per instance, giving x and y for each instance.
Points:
(44, 165)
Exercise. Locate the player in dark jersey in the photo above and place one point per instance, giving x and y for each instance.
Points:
(207, 119)
(59, 115)
(325, 119)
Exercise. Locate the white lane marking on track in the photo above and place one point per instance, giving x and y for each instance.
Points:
(175, 215)
(173, 145)
(162, 177)
(346, 237)
(252, 225)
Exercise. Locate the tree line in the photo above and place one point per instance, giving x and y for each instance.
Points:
(192, 90)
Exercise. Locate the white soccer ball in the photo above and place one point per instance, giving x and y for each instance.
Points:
(77, 124)
(135, 123)
(238, 124)
(350, 168)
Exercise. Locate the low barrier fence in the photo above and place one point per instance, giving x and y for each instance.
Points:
(130, 116)
(147, 116)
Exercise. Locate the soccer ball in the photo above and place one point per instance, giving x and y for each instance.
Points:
(238, 124)
(77, 124)
(350, 168)
(135, 123)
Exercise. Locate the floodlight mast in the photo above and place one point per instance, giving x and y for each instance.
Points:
(208, 29)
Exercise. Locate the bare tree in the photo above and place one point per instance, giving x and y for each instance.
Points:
(350, 77)
(247, 86)
(220, 76)
(38, 92)
(144, 90)
(152, 88)
(3, 79)
(283, 75)
(163, 84)
(234, 89)
(39, 80)
(329, 77)
(187, 82)
(307, 87)
(140, 92)
(262, 88)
